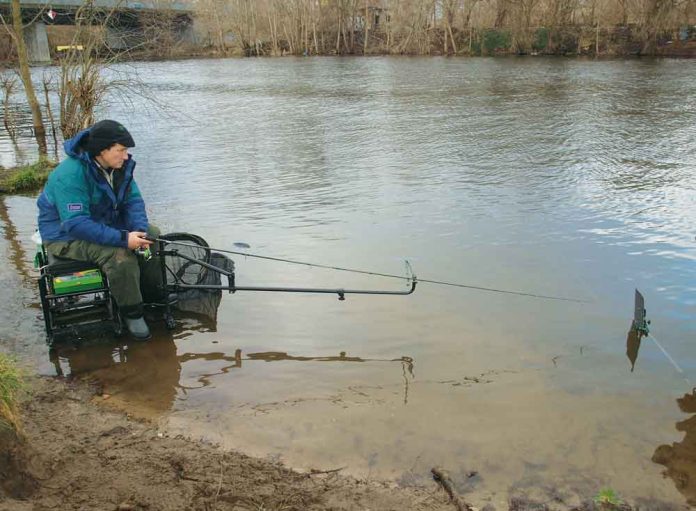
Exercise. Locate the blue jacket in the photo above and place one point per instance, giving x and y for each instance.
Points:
(77, 202)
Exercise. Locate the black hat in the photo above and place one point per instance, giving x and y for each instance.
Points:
(106, 133)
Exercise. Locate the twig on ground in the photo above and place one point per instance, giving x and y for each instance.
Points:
(314, 471)
(222, 468)
(442, 478)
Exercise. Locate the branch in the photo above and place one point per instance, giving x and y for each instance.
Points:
(442, 478)
(13, 36)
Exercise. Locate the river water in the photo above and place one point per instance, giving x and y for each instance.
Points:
(558, 177)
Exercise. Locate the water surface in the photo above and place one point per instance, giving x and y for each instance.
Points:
(559, 177)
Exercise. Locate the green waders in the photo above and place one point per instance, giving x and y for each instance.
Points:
(131, 278)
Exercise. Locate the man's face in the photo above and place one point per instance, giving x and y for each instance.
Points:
(115, 156)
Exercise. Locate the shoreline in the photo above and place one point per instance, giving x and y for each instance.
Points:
(79, 453)
(682, 53)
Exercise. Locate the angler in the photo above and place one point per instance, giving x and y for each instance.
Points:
(91, 211)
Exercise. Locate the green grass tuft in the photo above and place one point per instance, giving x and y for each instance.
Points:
(25, 178)
(607, 499)
(11, 386)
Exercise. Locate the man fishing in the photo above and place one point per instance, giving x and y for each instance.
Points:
(91, 210)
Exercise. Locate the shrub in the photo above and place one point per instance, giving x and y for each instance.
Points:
(494, 40)
(541, 39)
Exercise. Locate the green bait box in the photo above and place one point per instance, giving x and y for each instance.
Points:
(78, 281)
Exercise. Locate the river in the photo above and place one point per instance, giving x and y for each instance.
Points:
(573, 178)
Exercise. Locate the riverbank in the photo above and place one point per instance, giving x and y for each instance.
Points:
(25, 178)
(77, 453)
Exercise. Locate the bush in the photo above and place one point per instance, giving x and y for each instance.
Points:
(541, 39)
(11, 384)
(494, 40)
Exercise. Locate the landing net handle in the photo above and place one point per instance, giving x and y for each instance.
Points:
(178, 285)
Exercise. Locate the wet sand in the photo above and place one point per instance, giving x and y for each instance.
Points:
(80, 455)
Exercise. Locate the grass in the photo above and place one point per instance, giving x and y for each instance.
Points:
(11, 385)
(607, 499)
(25, 178)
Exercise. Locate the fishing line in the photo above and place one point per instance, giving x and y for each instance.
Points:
(676, 366)
(378, 274)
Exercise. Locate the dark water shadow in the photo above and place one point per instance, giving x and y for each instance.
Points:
(679, 459)
(144, 378)
(633, 341)
(17, 252)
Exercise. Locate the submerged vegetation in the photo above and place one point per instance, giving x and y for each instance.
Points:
(11, 384)
(25, 178)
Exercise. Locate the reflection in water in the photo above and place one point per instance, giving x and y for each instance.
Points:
(680, 457)
(406, 362)
(144, 378)
(17, 254)
(204, 379)
(633, 346)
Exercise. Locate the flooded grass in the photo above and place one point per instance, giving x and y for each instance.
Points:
(25, 178)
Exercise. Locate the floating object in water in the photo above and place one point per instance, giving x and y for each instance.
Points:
(640, 323)
(640, 328)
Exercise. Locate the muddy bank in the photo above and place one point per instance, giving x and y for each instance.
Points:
(78, 454)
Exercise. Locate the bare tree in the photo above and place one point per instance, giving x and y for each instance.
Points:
(8, 84)
(275, 27)
(25, 75)
(655, 13)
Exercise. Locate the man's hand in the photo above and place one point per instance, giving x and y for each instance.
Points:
(138, 239)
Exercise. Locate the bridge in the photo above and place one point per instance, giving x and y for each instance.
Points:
(123, 30)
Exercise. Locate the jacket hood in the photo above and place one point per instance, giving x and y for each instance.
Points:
(73, 146)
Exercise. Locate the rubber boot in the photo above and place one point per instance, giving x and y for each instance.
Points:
(138, 328)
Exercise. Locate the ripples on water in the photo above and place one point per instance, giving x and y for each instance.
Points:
(553, 176)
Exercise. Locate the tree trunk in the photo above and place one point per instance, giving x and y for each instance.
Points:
(352, 26)
(338, 35)
(25, 74)
(366, 28)
(653, 21)
(454, 45)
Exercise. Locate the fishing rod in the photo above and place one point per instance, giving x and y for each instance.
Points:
(411, 278)
(180, 284)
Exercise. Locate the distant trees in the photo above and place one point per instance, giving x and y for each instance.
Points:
(275, 27)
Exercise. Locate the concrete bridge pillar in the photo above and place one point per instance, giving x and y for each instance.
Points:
(37, 43)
